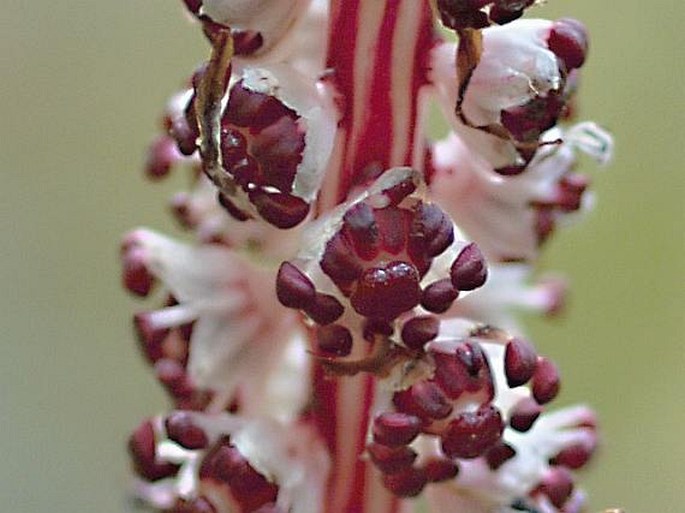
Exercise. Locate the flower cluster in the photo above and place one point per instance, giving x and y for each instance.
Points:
(339, 333)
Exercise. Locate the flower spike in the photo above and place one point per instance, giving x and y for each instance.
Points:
(339, 332)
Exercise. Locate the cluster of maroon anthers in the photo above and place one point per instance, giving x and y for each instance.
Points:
(340, 336)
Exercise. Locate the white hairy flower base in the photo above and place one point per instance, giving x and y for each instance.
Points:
(240, 334)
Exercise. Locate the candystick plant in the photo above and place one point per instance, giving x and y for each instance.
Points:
(339, 333)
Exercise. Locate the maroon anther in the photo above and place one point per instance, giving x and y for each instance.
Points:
(141, 446)
(528, 121)
(439, 296)
(334, 339)
(149, 338)
(568, 40)
(135, 276)
(174, 378)
(570, 191)
(431, 229)
(499, 455)
(224, 464)
(575, 456)
(545, 223)
(419, 330)
(558, 486)
(387, 290)
(193, 5)
(161, 156)
(391, 459)
(246, 42)
(280, 209)
(424, 399)
(505, 11)
(546, 381)
(180, 428)
(520, 359)
(524, 414)
(395, 429)
(465, 370)
(362, 231)
(471, 434)
(469, 271)
(293, 288)
(325, 309)
(459, 14)
(406, 483)
(440, 469)
(261, 146)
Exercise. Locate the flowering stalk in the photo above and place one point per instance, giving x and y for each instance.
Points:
(340, 336)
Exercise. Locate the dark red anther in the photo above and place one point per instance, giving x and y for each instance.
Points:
(254, 110)
(425, 400)
(233, 149)
(161, 155)
(502, 16)
(278, 149)
(576, 456)
(545, 224)
(458, 14)
(569, 41)
(391, 459)
(470, 434)
(361, 229)
(546, 381)
(184, 130)
(181, 429)
(524, 414)
(193, 5)
(438, 470)
(465, 370)
(431, 229)
(174, 378)
(399, 191)
(498, 455)
(570, 191)
(135, 276)
(520, 360)
(395, 429)
(558, 486)
(141, 447)
(439, 296)
(334, 339)
(280, 209)
(393, 225)
(293, 288)
(149, 337)
(406, 483)
(469, 270)
(246, 42)
(419, 330)
(528, 121)
(340, 263)
(325, 309)
(249, 488)
(387, 290)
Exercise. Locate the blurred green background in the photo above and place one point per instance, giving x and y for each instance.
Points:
(83, 84)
